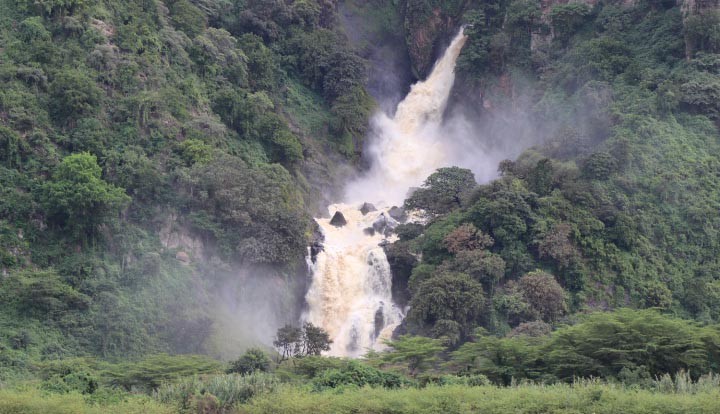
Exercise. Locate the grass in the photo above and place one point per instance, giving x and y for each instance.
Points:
(589, 397)
(34, 401)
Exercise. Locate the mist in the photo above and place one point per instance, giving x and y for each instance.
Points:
(248, 305)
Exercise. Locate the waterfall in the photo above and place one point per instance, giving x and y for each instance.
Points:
(350, 293)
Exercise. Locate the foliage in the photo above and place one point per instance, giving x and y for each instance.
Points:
(605, 344)
(73, 95)
(299, 342)
(34, 401)
(631, 346)
(442, 191)
(254, 211)
(567, 18)
(151, 372)
(447, 305)
(544, 294)
(253, 360)
(581, 397)
(703, 31)
(77, 198)
(412, 353)
(356, 374)
(214, 392)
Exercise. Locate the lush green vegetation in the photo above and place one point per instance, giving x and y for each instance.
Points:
(124, 121)
(615, 209)
(594, 398)
(124, 125)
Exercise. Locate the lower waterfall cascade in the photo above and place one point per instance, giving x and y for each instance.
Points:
(350, 292)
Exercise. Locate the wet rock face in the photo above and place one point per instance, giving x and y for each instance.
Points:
(384, 225)
(698, 6)
(427, 25)
(379, 321)
(316, 245)
(338, 220)
(183, 258)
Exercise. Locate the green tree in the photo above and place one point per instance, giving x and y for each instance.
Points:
(413, 353)
(253, 360)
(544, 294)
(606, 343)
(310, 340)
(73, 95)
(315, 339)
(187, 17)
(500, 359)
(54, 7)
(78, 199)
(483, 266)
(288, 340)
(443, 190)
(447, 297)
(566, 19)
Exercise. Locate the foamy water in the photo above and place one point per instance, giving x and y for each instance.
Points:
(350, 294)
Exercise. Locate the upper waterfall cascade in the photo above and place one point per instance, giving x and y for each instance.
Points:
(350, 293)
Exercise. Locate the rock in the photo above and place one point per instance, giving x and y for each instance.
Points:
(183, 257)
(379, 320)
(316, 245)
(380, 224)
(397, 213)
(338, 220)
(366, 208)
(369, 231)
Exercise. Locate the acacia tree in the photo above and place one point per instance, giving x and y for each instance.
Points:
(414, 352)
(287, 341)
(299, 342)
(315, 339)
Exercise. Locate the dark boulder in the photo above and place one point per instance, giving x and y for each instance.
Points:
(380, 224)
(369, 231)
(366, 208)
(398, 214)
(379, 320)
(338, 220)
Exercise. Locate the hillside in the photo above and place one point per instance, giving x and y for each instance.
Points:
(161, 163)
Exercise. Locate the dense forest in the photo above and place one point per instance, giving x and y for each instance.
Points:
(161, 162)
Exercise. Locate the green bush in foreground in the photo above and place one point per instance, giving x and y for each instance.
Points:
(580, 398)
(220, 392)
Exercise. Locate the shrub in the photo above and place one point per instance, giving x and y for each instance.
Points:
(254, 360)
(225, 390)
(73, 95)
(358, 375)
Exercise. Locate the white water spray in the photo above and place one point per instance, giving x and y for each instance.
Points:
(350, 294)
